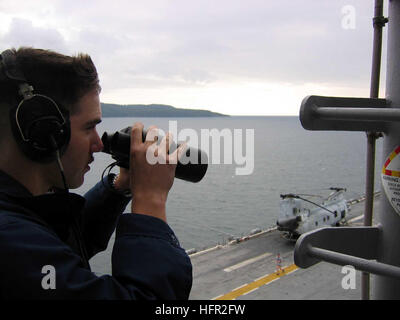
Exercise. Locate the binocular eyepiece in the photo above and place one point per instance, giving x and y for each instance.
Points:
(192, 166)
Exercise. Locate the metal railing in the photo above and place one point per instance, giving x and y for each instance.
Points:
(369, 249)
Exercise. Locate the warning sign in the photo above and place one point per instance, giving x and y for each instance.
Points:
(391, 179)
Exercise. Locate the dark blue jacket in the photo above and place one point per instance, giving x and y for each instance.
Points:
(66, 230)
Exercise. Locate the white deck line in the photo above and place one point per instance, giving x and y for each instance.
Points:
(247, 262)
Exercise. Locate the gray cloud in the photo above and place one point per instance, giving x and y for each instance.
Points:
(296, 41)
(192, 43)
(23, 33)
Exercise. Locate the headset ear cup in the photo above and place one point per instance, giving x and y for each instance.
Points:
(33, 122)
(39, 125)
(41, 132)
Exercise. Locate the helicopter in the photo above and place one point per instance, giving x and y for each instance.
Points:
(295, 218)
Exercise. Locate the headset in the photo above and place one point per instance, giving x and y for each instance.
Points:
(40, 127)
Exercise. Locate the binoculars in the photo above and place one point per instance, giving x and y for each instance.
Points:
(118, 144)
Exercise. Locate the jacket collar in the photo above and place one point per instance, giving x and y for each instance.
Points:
(11, 187)
(58, 209)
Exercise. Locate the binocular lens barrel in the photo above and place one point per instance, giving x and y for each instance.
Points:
(191, 167)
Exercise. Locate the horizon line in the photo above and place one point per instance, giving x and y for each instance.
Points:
(231, 115)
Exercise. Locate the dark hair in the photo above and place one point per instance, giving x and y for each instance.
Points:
(63, 78)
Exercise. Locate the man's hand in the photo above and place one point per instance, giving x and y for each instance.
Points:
(150, 183)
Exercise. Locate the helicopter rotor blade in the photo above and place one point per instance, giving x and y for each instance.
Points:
(309, 195)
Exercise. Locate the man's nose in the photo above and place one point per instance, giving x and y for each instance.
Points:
(97, 146)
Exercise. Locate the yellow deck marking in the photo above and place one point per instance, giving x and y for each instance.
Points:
(257, 283)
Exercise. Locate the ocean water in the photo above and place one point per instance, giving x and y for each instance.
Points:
(287, 159)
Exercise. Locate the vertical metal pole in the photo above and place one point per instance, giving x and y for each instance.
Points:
(387, 217)
(372, 136)
(378, 23)
(369, 189)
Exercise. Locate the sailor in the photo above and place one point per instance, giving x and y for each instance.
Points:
(279, 264)
(49, 110)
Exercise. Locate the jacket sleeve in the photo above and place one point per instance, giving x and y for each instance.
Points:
(147, 263)
(147, 254)
(99, 216)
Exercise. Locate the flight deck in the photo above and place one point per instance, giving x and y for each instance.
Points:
(261, 267)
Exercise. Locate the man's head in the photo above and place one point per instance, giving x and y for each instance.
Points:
(72, 82)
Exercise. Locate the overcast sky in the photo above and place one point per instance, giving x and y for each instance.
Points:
(239, 57)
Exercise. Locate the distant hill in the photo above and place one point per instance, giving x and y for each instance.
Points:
(153, 110)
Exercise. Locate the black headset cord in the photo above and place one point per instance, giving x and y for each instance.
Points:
(76, 228)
